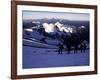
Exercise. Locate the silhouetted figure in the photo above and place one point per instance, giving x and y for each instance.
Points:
(76, 48)
(67, 43)
(84, 47)
(68, 48)
(81, 48)
(60, 48)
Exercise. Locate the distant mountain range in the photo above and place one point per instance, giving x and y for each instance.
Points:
(52, 20)
(34, 22)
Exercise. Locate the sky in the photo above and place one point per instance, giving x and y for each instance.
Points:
(60, 15)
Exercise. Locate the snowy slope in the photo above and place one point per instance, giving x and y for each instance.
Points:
(41, 58)
(31, 43)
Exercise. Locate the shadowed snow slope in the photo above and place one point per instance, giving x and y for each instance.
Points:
(42, 58)
(37, 44)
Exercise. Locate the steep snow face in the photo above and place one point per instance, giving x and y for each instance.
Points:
(59, 26)
(63, 28)
(68, 29)
(48, 27)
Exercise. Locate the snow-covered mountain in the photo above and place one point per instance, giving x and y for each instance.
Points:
(57, 27)
(51, 33)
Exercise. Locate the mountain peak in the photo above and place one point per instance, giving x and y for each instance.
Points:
(56, 27)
